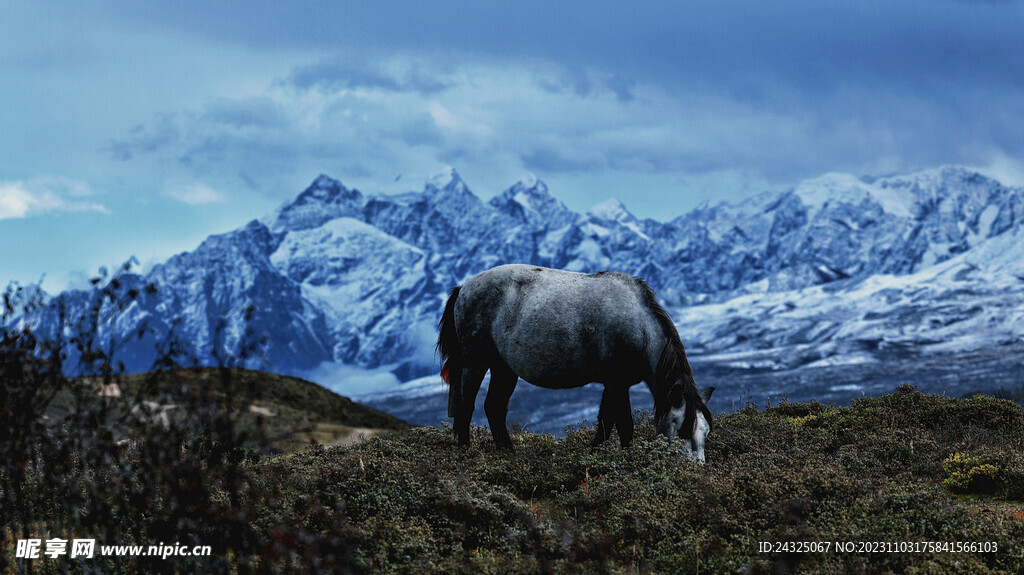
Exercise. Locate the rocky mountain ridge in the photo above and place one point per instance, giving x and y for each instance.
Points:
(337, 276)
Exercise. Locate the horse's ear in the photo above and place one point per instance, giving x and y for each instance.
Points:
(675, 395)
(706, 394)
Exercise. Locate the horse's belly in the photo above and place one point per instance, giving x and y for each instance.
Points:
(556, 380)
(554, 372)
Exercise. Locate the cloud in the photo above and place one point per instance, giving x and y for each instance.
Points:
(497, 120)
(143, 140)
(20, 199)
(804, 43)
(196, 195)
(392, 76)
(555, 159)
(586, 83)
(260, 112)
(1007, 170)
(623, 88)
(16, 201)
(771, 106)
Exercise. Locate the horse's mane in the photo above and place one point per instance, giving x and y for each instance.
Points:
(672, 365)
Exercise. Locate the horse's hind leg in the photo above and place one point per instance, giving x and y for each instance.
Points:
(472, 377)
(503, 383)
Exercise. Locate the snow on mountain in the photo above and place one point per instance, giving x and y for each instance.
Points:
(324, 200)
(529, 203)
(612, 210)
(818, 193)
(969, 302)
(364, 281)
(448, 178)
(837, 269)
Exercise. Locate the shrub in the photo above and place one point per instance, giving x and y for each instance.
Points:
(869, 472)
(75, 463)
(967, 474)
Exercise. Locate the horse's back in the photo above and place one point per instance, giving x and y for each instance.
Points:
(557, 328)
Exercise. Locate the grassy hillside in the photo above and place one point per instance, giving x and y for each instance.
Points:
(170, 457)
(277, 413)
(907, 467)
(902, 469)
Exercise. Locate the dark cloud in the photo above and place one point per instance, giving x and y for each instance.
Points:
(419, 131)
(144, 140)
(575, 81)
(258, 112)
(585, 83)
(800, 60)
(779, 90)
(335, 75)
(623, 88)
(559, 159)
(809, 44)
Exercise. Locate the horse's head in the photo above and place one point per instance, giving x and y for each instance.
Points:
(671, 424)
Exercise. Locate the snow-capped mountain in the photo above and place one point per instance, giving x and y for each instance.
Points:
(831, 271)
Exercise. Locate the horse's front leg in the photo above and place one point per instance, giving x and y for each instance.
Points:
(503, 383)
(471, 379)
(624, 419)
(614, 412)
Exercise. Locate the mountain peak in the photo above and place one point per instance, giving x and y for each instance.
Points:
(837, 187)
(612, 209)
(529, 181)
(326, 182)
(326, 189)
(531, 186)
(446, 179)
(528, 201)
(944, 176)
(830, 187)
(325, 199)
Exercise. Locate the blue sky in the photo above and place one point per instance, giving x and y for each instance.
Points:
(139, 128)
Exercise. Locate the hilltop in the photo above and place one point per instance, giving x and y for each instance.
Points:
(276, 413)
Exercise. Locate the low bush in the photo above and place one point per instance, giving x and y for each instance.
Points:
(872, 472)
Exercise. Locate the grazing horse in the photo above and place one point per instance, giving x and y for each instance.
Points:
(559, 329)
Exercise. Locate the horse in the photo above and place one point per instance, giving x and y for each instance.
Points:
(558, 329)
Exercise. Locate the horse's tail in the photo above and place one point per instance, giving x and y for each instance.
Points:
(451, 352)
